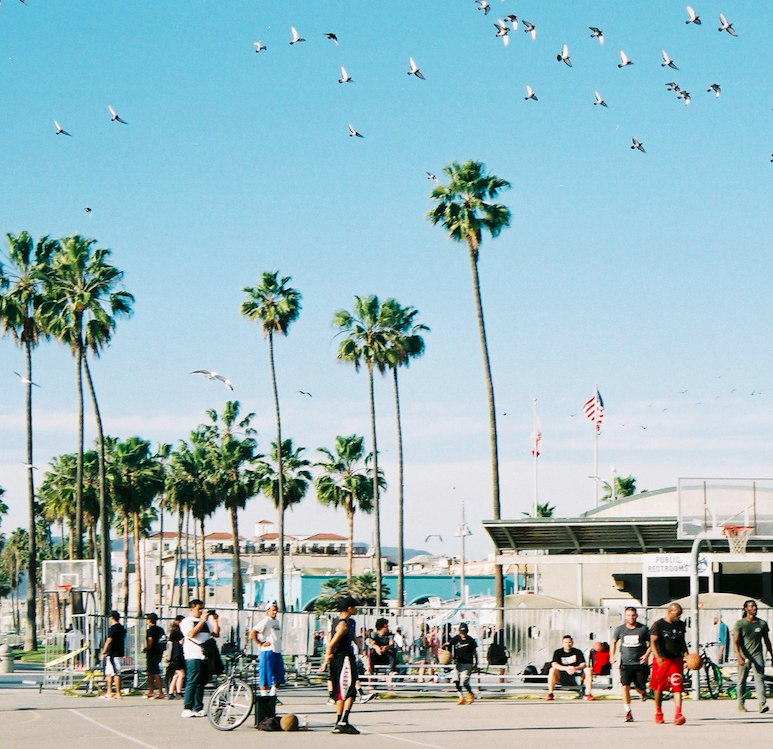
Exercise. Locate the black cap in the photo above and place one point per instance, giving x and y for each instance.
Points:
(346, 603)
(464, 628)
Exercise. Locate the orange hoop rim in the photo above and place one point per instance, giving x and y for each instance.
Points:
(67, 588)
(732, 531)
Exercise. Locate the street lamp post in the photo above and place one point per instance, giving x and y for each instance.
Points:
(462, 532)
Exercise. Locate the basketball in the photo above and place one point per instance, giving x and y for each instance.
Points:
(289, 722)
(693, 661)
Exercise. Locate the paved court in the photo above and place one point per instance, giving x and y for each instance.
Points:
(29, 720)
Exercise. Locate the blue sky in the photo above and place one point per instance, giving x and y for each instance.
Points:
(648, 274)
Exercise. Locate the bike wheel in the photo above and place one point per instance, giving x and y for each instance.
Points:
(713, 678)
(230, 705)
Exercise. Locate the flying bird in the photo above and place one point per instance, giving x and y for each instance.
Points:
(530, 94)
(502, 31)
(637, 144)
(433, 177)
(210, 375)
(88, 210)
(484, 6)
(60, 130)
(726, 26)
(691, 17)
(26, 380)
(667, 61)
(353, 133)
(599, 100)
(715, 88)
(564, 56)
(596, 33)
(684, 95)
(415, 69)
(303, 392)
(624, 60)
(114, 117)
(333, 38)
(513, 21)
(530, 29)
(259, 46)
(673, 86)
(345, 77)
(295, 38)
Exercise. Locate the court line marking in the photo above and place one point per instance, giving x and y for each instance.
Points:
(113, 730)
(366, 732)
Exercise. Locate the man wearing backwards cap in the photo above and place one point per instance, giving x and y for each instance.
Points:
(465, 653)
(267, 633)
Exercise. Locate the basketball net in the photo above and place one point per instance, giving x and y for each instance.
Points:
(737, 536)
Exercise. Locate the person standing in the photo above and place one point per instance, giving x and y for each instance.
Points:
(343, 670)
(668, 647)
(749, 634)
(465, 654)
(197, 628)
(568, 663)
(631, 648)
(267, 634)
(113, 653)
(155, 643)
(175, 671)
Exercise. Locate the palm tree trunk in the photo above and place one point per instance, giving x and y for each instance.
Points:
(62, 541)
(126, 565)
(106, 571)
(376, 502)
(71, 539)
(280, 481)
(238, 589)
(30, 638)
(137, 563)
(498, 573)
(196, 561)
(400, 499)
(160, 576)
(178, 560)
(79, 464)
(203, 564)
(350, 543)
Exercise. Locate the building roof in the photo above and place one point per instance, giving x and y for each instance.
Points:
(220, 536)
(325, 537)
(165, 534)
(274, 537)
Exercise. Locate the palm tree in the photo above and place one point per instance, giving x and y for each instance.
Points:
(290, 482)
(232, 482)
(22, 284)
(81, 307)
(464, 210)
(404, 343)
(277, 306)
(543, 511)
(345, 482)
(367, 340)
(14, 552)
(625, 486)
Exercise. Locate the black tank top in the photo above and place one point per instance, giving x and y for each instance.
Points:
(344, 645)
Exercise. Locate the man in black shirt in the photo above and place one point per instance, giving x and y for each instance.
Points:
(155, 644)
(382, 647)
(465, 654)
(668, 647)
(631, 647)
(568, 663)
(112, 653)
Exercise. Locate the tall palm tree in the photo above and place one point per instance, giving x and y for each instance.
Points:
(277, 306)
(543, 511)
(464, 209)
(404, 343)
(232, 481)
(367, 341)
(13, 555)
(21, 284)
(82, 304)
(345, 482)
(284, 479)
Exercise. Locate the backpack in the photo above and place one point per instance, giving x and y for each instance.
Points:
(212, 654)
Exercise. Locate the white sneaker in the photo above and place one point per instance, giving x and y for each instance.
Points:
(187, 714)
(200, 714)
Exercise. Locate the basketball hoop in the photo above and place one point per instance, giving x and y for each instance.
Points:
(737, 536)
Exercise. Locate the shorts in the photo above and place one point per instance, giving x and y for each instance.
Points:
(112, 665)
(565, 679)
(636, 675)
(668, 676)
(343, 674)
(271, 669)
(153, 665)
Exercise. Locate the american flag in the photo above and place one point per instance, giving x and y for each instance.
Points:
(536, 437)
(594, 409)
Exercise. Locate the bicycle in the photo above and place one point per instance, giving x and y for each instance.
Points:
(711, 677)
(232, 702)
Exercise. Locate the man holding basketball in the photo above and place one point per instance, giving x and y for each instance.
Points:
(668, 647)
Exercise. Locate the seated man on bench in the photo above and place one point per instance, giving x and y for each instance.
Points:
(382, 647)
(568, 663)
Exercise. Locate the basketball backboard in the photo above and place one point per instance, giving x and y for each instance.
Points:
(707, 506)
(60, 575)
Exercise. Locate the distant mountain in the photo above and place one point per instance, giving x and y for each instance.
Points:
(390, 552)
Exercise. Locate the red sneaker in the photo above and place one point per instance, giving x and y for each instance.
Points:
(589, 698)
(659, 718)
(680, 720)
(550, 698)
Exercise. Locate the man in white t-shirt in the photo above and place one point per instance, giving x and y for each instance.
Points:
(197, 627)
(267, 633)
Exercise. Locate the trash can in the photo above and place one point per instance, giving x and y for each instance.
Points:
(6, 659)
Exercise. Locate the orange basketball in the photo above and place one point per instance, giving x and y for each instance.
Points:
(693, 661)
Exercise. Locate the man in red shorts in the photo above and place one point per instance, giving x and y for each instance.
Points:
(668, 646)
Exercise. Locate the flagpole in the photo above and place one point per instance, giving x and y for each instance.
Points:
(534, 456)
(596, 451)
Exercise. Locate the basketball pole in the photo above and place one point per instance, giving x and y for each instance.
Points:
(694, 627)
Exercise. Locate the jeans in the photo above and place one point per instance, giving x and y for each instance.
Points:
(759, 682)
(195, 679)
